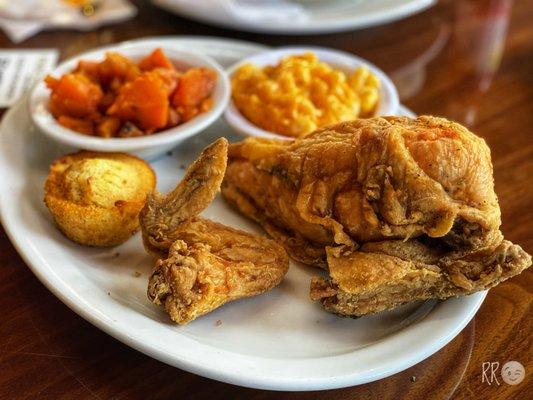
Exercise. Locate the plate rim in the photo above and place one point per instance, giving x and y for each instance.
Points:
(67, 295)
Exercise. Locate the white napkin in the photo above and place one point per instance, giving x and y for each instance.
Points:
(33, 9)
(22, 19)
(18, 30)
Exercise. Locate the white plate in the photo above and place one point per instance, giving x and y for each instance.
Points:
(316, 17)
(279, 341)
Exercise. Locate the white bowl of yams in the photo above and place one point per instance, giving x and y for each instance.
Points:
(345, 63)
(148, 145)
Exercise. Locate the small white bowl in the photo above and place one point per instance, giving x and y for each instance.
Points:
(144, 146)
(388, 103)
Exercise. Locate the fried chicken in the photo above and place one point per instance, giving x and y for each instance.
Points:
(203, 264)
(343, 197)
(164, 214)
(384, 275)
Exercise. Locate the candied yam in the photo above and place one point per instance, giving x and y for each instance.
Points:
(55, 108)
(107, 100)
(115, 84)
(84, 126)
(173, 118)
(169, 77)
(74, 95)
(206, 104)
(108, 127)
(118, 97)
(51, 82)
(91, 69)
(187, 113)
(143, 100)
(115, 65)
(194, 86)
(156, 59)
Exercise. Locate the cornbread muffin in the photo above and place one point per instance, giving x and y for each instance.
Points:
(95, 198)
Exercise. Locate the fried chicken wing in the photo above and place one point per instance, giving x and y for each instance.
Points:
(213, 265)
(164, 214)
(416, 185)
(203, 264)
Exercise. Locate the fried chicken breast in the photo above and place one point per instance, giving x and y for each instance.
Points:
(419, 186)
(203, 264)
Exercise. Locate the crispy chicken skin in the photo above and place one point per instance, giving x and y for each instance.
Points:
(384, 275)
(203, 264)
(163, 215)
(416, 185)
(368, 180)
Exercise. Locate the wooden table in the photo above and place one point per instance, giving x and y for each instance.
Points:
(446, 61)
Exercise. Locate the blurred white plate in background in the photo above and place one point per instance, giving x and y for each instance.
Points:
(295, 16)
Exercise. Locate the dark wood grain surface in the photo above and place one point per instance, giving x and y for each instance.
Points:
(453, 60)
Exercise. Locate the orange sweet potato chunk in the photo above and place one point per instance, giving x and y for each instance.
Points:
(194, 86)
(170, 78)
(51, 82)
(91, 69)
(84, 126)
(143, 100)
(118, 67)
(74, 95)
(108, 127)
(187, 113)
(156, 59)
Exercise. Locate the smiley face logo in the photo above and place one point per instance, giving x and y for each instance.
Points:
(513, 372)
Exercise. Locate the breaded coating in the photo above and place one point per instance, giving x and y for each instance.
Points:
(384, 275)
(213, 265)
(368, 180)
(95, 198)
(388, 179)
(203, 264)
(164, 214)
